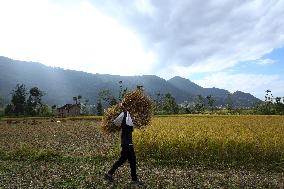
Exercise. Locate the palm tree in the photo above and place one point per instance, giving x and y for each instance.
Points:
(75, 99)
(79, 98)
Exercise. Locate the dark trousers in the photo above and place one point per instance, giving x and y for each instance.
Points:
(127, 153)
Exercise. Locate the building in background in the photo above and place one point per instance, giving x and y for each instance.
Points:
(68, 110)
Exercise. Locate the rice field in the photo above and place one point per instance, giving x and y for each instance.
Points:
(240, 139)
(188, 151)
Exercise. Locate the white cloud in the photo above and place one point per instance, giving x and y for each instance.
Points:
(161, 37)
(203, 36)
(265, 61)
(256, 84)
(76, 36)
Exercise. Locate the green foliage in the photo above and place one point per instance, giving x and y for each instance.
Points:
(9, 110)
(19, 99)
(34, 101)
(77, 99)
(229, 102)
(199, 104)
(107, 96)
(44, 110)
(1, 107)
(165, 104)
(271, 106)
(99, 108)
(122, 91)
(32, 106)
(211, 101)
(1, 102)
(169, 104)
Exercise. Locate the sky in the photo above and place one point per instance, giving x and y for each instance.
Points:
(229, 44)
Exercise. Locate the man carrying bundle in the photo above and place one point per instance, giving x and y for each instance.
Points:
(127, 152)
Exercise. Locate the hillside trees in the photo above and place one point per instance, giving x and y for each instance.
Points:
(165, 104)
(271, 105)
(21, 106)
(77, 99)
(109, 98)
(122, 91)
(34, 101)
(1, 106)
(1, 101)
(229, 102)
(211, 101)
(199, 104)
(169, 104)
(19, 99)
(99, 108)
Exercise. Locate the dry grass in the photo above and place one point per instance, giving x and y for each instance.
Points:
(66, 138)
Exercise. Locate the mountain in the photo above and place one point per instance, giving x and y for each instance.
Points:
(61, 85)
(239, 99)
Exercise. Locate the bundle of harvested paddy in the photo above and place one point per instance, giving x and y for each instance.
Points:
(139, 106)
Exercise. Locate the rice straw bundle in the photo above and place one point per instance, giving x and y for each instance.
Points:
(139, 106)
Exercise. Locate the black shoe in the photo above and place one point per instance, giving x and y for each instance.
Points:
(108, 177)
(137, 182)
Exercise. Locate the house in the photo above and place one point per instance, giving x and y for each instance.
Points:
(68, 110)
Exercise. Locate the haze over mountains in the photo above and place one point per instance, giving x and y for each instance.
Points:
(61, 85)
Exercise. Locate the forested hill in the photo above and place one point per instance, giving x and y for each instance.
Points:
(61, 85)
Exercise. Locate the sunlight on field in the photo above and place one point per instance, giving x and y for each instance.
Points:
(74, 152)
(193, 138)
(210, 138)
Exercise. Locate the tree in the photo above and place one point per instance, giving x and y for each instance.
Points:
(229, 102)
(75, 99)
(158, 103)
(169, 104)
(1, 102)
(279, 106)
(53, 109)
(268, 96)
(85, 109)
(99, 108)
(199, 104)
(268, 107)
(211, 101)
(107, 96)
(19, 99)
(79, 97)
(122, 91)
(34, 101)
(112, 101)
(9, 110)
(44, 110)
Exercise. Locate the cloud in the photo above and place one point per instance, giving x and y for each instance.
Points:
(265, 61)
(256, 84)
(73, 35)
(131, 37)
(202, 36)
